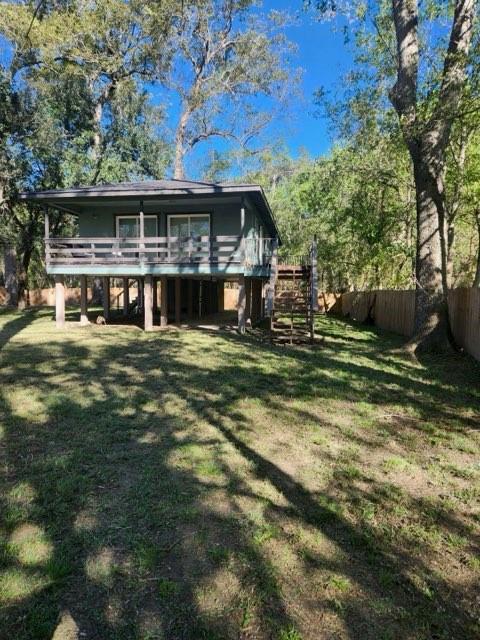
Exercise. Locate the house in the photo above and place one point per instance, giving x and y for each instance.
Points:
(187, 237)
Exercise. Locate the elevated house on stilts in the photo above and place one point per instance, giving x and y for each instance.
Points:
(181, 239)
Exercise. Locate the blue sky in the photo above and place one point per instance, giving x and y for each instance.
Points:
(324, 58)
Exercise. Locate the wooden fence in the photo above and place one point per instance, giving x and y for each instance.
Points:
(391, 310)
(46, 297)
(394, 311)
(39, 297)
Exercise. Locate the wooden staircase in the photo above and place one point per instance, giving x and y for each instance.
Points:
(292, 315)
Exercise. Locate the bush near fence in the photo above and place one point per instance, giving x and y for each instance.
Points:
(394, 311)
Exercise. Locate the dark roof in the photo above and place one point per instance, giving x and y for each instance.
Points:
(73, 199)
(146, 187)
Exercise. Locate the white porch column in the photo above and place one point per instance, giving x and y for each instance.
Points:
(241, 304)
(83, 301)
(148, 302)
(106, 297)
(59, 302)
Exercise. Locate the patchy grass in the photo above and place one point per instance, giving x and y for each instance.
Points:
(190, 485)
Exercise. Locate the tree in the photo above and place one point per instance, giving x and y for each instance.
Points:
(429, 92)
(427, 136)
(74, 107)
(225, 60)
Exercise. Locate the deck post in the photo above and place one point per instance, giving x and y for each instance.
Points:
(142, 234)
(190, 298)
(241, 304)
(47, 236)
(248, 300)
(148, 303)
(155, 294)
(221, 295)
(178, 300)
(126, 296)
(106, 297)
(83, 301)
(314, 275)
(242, 231)
(59, 302)
(140, 294)
(206, 298)
(255, 298)
(272, 280)
(163, 302)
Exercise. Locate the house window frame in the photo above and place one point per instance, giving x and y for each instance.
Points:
(137, 217)
(189, 215)
(205, 214)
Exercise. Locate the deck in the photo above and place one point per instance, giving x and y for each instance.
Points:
(159, 255)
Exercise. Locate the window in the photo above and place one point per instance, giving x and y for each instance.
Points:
(129, 226)
(187, 230)
(189, 226)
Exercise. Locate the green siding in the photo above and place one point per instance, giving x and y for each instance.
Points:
(224, 220)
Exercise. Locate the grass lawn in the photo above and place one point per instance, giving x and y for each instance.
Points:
(183, 484)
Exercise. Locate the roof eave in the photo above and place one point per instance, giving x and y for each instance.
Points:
(54, 197)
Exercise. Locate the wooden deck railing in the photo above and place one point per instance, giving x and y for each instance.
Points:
(164, 250)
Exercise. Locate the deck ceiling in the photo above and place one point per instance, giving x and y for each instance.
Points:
(120, 205)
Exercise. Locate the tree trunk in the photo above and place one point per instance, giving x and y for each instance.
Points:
(180, 135)
(450, 236)
(23, 298)
(427, 140)
(476, 281)
(97, 141)
(431, 327)
(11, 277)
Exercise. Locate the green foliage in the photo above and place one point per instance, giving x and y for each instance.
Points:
(73, 108)
(358, 201)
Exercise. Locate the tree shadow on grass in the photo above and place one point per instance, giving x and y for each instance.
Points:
(129, 541)
(15, 323)
(133, 463)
